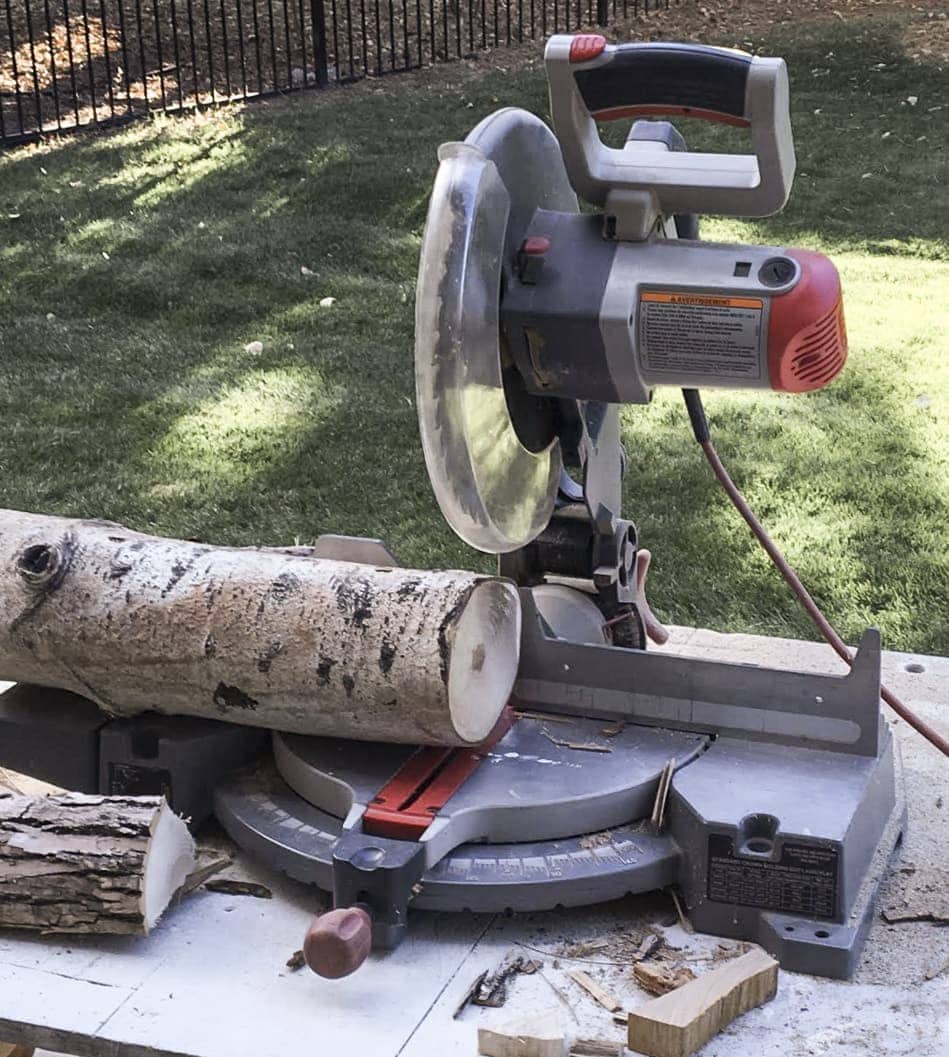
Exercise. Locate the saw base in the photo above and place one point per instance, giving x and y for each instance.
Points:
(810, 904)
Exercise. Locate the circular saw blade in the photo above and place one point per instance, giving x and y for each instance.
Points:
(496, 493)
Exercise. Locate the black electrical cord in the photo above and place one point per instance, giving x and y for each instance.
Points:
(693, 403)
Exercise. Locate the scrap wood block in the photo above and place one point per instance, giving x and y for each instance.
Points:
(13, 1049)
(678, 1023)
(540, 1035)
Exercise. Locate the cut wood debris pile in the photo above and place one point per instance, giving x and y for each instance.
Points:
(655, 987)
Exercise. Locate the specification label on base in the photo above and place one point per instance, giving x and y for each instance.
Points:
(803, 881)
(702, 334)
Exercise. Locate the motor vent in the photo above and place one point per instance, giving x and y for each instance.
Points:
(807, 335)
(821, 351)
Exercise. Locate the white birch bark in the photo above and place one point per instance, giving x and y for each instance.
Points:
(267, 637)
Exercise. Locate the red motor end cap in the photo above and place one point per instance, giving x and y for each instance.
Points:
(586, 46)
(807, 336)
(337, 943)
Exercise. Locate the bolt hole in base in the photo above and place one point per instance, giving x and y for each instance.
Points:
(822, 934)
(756, 835)
(916, 668)
(788, 928)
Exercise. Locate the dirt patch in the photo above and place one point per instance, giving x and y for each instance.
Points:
(58, 72)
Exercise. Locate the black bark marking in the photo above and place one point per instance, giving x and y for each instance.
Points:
(386, 656)
(210, 646)
(349, 684)
(444, 646)
(266, 659)
(227, 697)
(478, 655)
(323, 670)
(354, 599)
(284, 587)
(408, 588)
(178, 570)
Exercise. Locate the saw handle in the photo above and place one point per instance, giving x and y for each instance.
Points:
(645, 80)
(338, 942)
(593, 81)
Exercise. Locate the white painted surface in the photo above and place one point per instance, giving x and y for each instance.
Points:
(211, 980)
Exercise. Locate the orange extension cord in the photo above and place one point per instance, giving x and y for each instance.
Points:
(700, 428)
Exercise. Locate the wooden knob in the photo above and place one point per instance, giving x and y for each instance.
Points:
(338, 942)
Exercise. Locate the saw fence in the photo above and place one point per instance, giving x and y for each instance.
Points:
(271, 638)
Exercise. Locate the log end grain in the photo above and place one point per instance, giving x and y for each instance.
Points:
(485, 652)
(168, 862)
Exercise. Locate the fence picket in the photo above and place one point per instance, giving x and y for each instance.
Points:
(69, 64)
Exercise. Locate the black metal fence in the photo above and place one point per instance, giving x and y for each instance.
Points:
(71, 63)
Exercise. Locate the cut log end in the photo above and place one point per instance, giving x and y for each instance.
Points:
(100, 865)
(484, 659)
(168, 862)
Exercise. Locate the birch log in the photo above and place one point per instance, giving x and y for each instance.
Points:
(94, 864)
(267, 637)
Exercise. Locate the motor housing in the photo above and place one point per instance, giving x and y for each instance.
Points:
(591, 318)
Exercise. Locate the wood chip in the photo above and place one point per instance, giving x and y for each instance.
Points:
(596, 1048)
(230, 887)
(660, 979)
(581, 950)
(658, 817)
(684, 922)
(679, 1023)
(468, 995)
(296, 961)
(607, 1001)
(581, 746)
(617, 728)
(650, 944)
(205, 869)
(492, 989)
(542, 717)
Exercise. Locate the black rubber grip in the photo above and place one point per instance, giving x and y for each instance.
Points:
(678, 76)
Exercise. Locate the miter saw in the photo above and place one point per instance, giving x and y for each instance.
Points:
(771, 799)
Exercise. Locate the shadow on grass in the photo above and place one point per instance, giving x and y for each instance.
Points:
(164, 251)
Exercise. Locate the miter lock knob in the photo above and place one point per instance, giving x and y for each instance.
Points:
(530, 258)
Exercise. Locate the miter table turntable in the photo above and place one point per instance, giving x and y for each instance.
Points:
(535, 322)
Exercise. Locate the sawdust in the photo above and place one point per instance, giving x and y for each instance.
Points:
(918, 894)
(596, 840)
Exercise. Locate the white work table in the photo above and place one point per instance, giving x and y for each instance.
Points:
(211, 980)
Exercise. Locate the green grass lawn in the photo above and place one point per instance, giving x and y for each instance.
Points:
(136, 266)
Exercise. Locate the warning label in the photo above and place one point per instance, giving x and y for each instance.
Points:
(702, 334)
(803, 881)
